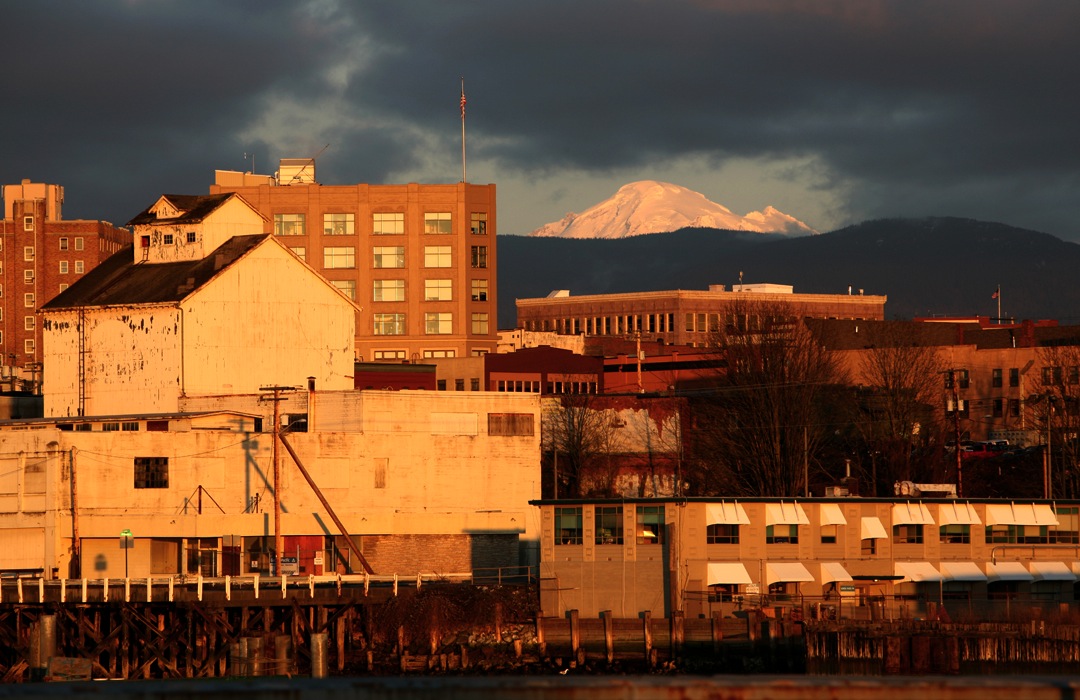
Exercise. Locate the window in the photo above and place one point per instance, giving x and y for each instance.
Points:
(998, 408)
(388, 290)
(955, 534)
(28, 276)
(722, 534)
(389, 324)
(339, 258)
(167, 239)
(996, 378)
(300, 252)
(434, 354)
(63, 287)
(1014, 408)
(79, 243)
(289, 224)
(1014, 376)
(28, 323)
(650, 524)
(478, 223)
(1067, 530)
(191, 237)
(338, 225)
(437, 222)
(129, 426)
(479, 290)
(438, 290)
(908, 534)
(29, 346)
(960, 376)
(440, 385)
(390, 355)
(1051, 376)
(459, 385)
(479, 256)
(28, 253)
(474, 384)
(438, 323)
(28, 300)
(437, 256)
(387, 223)
(28, 223)
(1017, 534)
(869, 546)
(63, 267)
(828, 534)
(110, 427)
(151, 472)
(391, 256)
(510, 424)
(781, 534)
(609, 524)
(63, 243)
(347, 287)
(480, 324)
(568, 528)
(79, 267)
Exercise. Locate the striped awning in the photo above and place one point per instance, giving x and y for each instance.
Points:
(786, 572)
(833, 571)
(785, 514)
(1051, 571)
(911, 513)
(720, 572)
(961, 571)
(725, 513)
(917, 571)
(955, 513)
(872, 529)
(1020, 514)
(830, 514)
(1008, 571)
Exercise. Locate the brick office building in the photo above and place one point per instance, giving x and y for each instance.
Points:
(419, 259)
(41, 254)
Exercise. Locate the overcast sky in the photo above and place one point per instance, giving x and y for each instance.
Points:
(833, 112)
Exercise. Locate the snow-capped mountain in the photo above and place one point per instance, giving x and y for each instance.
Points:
(657, 207)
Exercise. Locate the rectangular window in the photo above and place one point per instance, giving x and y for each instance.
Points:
(438, 323)
(955, 534)
(609, 524)
(387, 223)
(650, 524)
(28, 276)
(63, 243)
(722, 534)
(459, 385)
(436, 256)
(998, 408)
(28, 323)
(79, 267)
(79, 243)
(568, 527)
(510, 424)
(28, 253)
(343, 258)
(28, 223)
(781, 534)
(63, 287)
(390, 355)
(347, 287)
(907, 534)
(1014, 408)
(474, 384)
(1067, 530)
(29, 347)
(868, 547)
(480, 324)
(479, 256)
(28, 300)
(996, 378)
(338, 224)
(1014, 376)
(479, 290)
(129, 426)
(63, 267)
(110, 427)
(289, 224)
(438, 290)
(151, 472)
(167, 239)
(300, 252)
(390, 256)
(389, 324)
(437, 222)
(1051, 376)
(478, 223)
(388, 290)
(828, 534)
(191, 237)
(434, 354)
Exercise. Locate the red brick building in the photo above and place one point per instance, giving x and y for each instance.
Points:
(40, 255)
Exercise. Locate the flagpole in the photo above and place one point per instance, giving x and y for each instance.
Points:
(999, 303)
(463, 178)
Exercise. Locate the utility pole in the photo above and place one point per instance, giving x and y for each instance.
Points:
(956, 424)
(277, 398)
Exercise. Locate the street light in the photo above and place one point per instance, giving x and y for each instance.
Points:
(127, 541)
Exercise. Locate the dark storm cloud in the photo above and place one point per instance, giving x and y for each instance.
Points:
(904, 108)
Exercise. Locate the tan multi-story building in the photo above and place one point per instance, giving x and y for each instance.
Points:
(41, 254)
(683, 317)
(420, 260)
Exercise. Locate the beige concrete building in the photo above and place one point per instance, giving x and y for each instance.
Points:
(425, 482)
(420, 260)
(683, 317)
(704, 556)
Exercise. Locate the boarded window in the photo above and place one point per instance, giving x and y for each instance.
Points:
(35, 475)
(151, 472)
(510, 424)
(380, 472)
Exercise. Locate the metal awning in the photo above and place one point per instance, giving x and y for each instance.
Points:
(724, 513)
(1008, 571)
(917, 571)
(830, 514)
(961, 571)
(1051, 571)
(726, 572)
(911, 513)
(872, 529)
(833, 571)
(955, 513)
(1020, 514)
(785, 514)
(786, 572)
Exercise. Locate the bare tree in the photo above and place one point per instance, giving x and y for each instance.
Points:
(760, 429)
(578, 434)
(1056, 410)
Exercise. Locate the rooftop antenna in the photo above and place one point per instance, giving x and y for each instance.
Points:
(463, 178)
(252, 171)
(311, 161)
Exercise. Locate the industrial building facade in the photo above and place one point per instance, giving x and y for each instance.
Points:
(420, 260)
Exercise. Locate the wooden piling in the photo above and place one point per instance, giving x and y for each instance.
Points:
(609, 635)
(575, 633)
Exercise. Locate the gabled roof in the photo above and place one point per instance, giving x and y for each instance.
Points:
(190, 208)
(120, 281)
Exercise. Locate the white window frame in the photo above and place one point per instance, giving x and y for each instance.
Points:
(339, 258)
(438, 323)
(393, 254)
(389, 324)
(438, 223)
(339, 223)
(387, 223)
(438, 256)
(439, 290)
(388, 290)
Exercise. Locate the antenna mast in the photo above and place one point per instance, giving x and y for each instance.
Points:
(463, 178)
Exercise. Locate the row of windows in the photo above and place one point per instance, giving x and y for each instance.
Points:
(606, 325)
(64, 242)
(64, 267)
(1051, 376)
(382, 223)
(532, 386)
(434, 290)
(910, 534)
(608, 525)
(393, 257)
(29, 346)
(435, 323)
